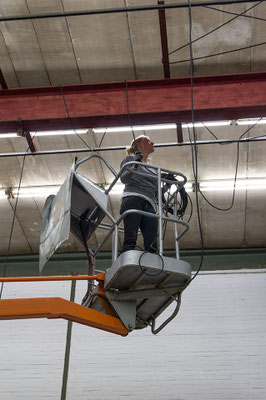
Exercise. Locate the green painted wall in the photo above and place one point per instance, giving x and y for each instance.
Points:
(67, 263)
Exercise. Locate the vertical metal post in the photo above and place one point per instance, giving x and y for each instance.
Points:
(68, 344)
(179, 132)
(164, 40)
(113, 247)
(160, 213)
(175, 228)
(115, 244)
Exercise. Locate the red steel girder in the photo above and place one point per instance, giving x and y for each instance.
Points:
(150, 102)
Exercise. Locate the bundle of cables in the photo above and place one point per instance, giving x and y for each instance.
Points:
(168, 199)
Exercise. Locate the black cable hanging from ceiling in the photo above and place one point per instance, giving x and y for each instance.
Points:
(228, 208)
(13, 220)
(194, 147)
(236, 16)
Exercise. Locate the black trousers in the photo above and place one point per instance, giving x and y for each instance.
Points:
(132, 222)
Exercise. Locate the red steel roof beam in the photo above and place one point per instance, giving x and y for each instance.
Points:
(150, 102)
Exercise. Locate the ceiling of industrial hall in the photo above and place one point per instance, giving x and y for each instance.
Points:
(122, 47)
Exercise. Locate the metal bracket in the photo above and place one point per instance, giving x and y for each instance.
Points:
(126, 310)
(9, 193)
(195, 187)
(24, 133)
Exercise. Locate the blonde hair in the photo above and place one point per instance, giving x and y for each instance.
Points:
(134, 144)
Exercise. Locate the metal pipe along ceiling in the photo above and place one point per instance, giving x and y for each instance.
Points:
(122, 10)
(159, 145)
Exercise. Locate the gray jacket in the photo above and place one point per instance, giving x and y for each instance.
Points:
(139, 185)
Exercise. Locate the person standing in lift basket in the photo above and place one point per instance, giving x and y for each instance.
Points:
(140, 193)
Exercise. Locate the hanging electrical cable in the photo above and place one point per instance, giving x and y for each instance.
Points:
(235, 175)
(218, 54)
(169, 199)
(103, 137)
(215, 29)
(70, 119)
(233, 13)
(129, 116)
(208, 129)
(13, 220)
(194, 148)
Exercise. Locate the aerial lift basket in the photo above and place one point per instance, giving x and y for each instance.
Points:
(137, 287)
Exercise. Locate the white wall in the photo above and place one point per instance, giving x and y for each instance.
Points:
(214, 349)
(32, 351)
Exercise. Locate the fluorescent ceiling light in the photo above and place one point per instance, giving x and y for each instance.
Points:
(45, 133)
(188, 186)
(44, 191)
(56, 133)
(8, 135)
(251, 121)
(159, 127)
(247, 121)
(117, 189)
(36, 190)
(208, 124)
(241, 184)
(135, 128)
(28, 192)
(215, 185)
(122, 129)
